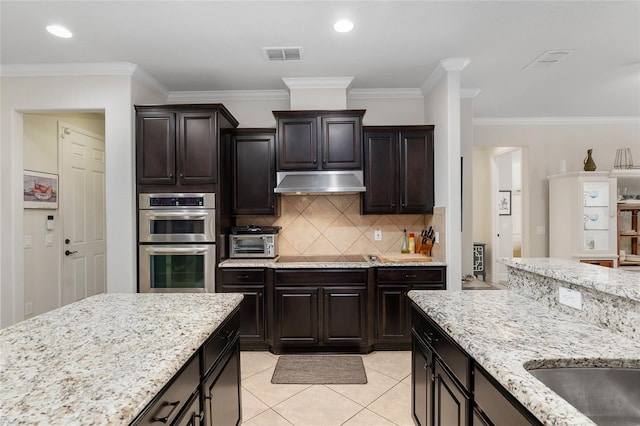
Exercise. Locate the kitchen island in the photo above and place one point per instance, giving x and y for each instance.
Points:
(506, 333)
(103, 359)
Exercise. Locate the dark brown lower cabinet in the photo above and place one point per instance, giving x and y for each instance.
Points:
(221, 389)
(422, 384)
(319, 310)
(192, 415)
(443, 392)
(450, 400)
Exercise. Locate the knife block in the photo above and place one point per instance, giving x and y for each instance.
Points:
(425, 248)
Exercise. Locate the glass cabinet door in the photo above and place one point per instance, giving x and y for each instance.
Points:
(596, 220)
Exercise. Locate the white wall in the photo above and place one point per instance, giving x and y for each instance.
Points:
(108, 94)
(466, 151)
(390, 111)
(548, 143)
(442, 108)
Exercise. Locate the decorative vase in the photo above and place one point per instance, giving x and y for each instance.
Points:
(589, 164)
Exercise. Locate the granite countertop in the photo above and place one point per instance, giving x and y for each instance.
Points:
(101, 360)
(612, 281)
(522, 332)
(366, 263)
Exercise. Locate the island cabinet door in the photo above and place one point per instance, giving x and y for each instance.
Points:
(296, 311)
(345, 315)
(221, 391)
(450, 402)
(422, 384)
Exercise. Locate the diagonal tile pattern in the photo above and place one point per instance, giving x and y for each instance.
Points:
(384, 400)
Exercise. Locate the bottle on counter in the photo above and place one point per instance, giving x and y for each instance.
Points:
(412, 243)
(405, 243)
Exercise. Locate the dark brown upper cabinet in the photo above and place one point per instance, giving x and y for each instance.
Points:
(253, 161)
(398, 171)
(178, 144)
(319, 140)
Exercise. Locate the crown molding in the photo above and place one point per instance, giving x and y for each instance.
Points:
(525, 121)
(407, 93)
(74, 69)
(318, 83)
(443, 67)
(150, 83)
(228, 95)
(469, 93)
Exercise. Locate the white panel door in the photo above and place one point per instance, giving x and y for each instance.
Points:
(82, 199)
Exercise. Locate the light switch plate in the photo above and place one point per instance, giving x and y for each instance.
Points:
(28, 241)
(48, 240)
(569, 297)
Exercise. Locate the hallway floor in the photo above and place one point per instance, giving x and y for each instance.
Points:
(384, 400)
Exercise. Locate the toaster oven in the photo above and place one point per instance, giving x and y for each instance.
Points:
(253, 242)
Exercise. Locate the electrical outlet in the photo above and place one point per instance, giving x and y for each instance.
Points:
(28, 308)
(569, 297)
(436, 237)
(28, 241)
(377, 235)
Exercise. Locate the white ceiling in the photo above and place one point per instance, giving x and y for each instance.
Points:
(217, 45)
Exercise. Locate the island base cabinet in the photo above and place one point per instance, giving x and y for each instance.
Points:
(450, 403)
(422, 385)
(493, 407)
(222, 404)
(192, 415)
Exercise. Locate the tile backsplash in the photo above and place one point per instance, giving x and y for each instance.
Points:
(332, 224)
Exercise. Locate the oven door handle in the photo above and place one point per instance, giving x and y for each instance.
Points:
(186, 215)
(178, 250)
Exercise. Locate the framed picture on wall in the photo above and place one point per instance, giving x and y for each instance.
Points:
(504, 203)
(40, 190)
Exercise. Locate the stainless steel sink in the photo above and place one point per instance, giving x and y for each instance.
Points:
(608, 396)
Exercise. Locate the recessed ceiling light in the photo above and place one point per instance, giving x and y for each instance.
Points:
(59, 31)
(343, 26)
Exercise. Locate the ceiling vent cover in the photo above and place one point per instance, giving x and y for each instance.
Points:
(548, 58)
(283, 53)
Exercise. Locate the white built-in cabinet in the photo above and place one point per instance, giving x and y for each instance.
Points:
(583, 217)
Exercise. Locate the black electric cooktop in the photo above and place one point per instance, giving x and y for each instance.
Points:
(323, 259)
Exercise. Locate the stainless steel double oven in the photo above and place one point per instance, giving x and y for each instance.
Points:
(176, 242)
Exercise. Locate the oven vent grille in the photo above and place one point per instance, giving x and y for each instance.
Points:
(293, 53)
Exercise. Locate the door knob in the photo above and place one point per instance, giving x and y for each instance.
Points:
(69, 253)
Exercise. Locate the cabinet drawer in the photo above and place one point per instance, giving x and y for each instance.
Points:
(321, 276)
(495, 406)
(222, 338)
(426, 275)
(170, 401)
(242, 276)
(453, 357)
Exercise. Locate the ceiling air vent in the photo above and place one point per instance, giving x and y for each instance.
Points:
(283, 53)
(549, 58)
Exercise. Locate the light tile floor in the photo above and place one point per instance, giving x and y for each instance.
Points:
(384, 400)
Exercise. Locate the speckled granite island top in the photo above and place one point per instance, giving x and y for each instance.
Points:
(101, 360)
(510, 331)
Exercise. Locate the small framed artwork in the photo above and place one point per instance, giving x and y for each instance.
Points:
(504, 203)
(40, 190)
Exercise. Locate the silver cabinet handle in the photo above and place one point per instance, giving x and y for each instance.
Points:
(186, 215)
(177, 250)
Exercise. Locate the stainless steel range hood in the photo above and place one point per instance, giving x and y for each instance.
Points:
(320, 182)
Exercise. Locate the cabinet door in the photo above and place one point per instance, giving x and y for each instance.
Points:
(296, 312)
(393, 314)
(341, 142)
(156, 148)
(416, 172)
(197, 148)
(192, 415)
(422, 385)
(252, 314)
(345, 315)
(298, 143)
(450, 404)
(253, 167)
(380, 173)
(222, 392)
